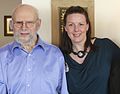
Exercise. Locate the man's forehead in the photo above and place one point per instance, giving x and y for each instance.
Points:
(24, 11)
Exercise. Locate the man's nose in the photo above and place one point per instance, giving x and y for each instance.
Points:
(24, 26)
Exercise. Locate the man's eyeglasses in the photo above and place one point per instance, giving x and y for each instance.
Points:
(28, 24)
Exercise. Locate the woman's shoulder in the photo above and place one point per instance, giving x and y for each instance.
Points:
(104, 41)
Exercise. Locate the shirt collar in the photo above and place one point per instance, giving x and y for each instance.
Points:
(40, 44)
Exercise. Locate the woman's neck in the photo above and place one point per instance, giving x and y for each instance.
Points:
(78, 47)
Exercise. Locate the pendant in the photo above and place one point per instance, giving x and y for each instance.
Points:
(66, 67)
(80, 54)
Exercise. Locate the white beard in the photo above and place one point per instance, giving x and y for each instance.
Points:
(31, 39)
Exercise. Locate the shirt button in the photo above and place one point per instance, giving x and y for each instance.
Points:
(29, 69)
(29, 54)
(28, 85)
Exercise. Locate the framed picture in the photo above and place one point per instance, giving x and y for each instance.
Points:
(62, 11)
(7, 30)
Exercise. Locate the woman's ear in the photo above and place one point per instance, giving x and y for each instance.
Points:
(65, 28)
(87, 27)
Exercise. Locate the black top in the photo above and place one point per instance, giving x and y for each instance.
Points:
(91, 77)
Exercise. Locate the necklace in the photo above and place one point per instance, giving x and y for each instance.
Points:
(80, 54)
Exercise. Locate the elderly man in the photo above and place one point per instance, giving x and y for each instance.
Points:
(28, 65)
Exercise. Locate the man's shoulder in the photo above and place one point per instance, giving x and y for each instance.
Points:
(51, 46)
(4, 50)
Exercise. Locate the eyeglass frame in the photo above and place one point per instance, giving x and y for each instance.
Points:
(28, 24)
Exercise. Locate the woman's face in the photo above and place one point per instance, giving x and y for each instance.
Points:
(76, 27)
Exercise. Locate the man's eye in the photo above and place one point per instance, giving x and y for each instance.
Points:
(70, 24)
(29, 22)
(19, 22)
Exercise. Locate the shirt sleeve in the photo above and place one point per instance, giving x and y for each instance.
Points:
(114, 82)
(3, 86)
(62, 87)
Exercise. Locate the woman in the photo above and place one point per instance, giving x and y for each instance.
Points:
(88, 61)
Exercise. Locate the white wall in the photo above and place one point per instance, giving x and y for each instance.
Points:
(44, 8)
(107, 18)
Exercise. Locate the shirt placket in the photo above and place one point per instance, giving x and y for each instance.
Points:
(29, 74)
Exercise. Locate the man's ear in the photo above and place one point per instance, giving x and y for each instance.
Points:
(11, 24)
(38, 24)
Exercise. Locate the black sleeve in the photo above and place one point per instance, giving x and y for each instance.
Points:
(114, 81)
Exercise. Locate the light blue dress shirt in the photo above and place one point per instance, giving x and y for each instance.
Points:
(39, 72)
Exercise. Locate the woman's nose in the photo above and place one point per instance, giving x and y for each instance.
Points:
(76, 28)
